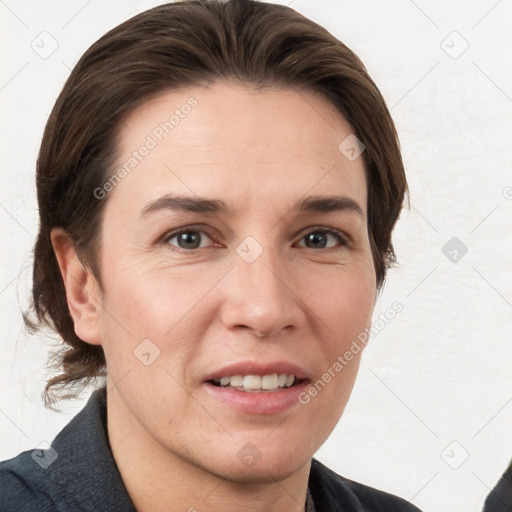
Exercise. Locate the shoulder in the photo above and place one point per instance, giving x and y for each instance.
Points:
(500, 498)
(331, 491)
(77, 472)
(23, 487)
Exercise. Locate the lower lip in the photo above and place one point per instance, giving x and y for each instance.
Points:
(258, 403)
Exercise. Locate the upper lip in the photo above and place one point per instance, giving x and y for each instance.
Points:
(258, 368)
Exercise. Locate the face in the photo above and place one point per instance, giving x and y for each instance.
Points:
(236, 268)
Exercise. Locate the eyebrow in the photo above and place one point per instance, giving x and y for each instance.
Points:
(186, 203)
(217, 206)
(329, 204)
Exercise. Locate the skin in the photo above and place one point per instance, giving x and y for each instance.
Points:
(260, 151)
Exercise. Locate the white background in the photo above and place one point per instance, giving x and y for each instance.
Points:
(441, 372)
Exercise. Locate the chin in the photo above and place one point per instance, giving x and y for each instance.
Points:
(273, 470)
(276, 460)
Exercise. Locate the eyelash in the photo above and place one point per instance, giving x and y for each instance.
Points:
(342, 239)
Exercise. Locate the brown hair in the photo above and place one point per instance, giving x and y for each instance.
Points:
(173, 46)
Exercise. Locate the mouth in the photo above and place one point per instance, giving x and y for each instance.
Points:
(270, 383)
(257, 388)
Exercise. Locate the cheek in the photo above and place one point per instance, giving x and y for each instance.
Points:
(342, 307)
(170, 307)
(343, 300)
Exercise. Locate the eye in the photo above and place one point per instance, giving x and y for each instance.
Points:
(189, 240)
(322, 239)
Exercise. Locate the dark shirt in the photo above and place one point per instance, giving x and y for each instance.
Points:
(500, 498)
(78, 473)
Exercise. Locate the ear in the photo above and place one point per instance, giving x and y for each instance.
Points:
(82, 289)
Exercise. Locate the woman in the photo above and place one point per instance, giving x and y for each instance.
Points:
(217, 185)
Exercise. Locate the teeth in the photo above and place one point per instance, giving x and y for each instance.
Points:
(255, 383)
(236, 381)
(270, 381)
(224, 381)
(252, 382)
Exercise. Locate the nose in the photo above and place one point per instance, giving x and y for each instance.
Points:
(261, 297)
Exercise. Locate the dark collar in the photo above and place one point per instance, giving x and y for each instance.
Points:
(500, 497)
(84, 473)
(84, 477)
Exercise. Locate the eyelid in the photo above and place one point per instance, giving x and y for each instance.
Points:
(185, 229)
(345, 239)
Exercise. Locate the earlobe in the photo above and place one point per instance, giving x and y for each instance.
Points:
(82, 290)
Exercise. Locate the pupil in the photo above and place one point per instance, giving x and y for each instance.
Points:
(189, 240)
(316, 240)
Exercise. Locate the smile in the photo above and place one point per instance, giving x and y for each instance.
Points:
(257, 383)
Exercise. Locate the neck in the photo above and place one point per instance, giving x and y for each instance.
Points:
(158, 479)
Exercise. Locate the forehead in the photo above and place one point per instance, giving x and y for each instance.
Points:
(240, 141)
